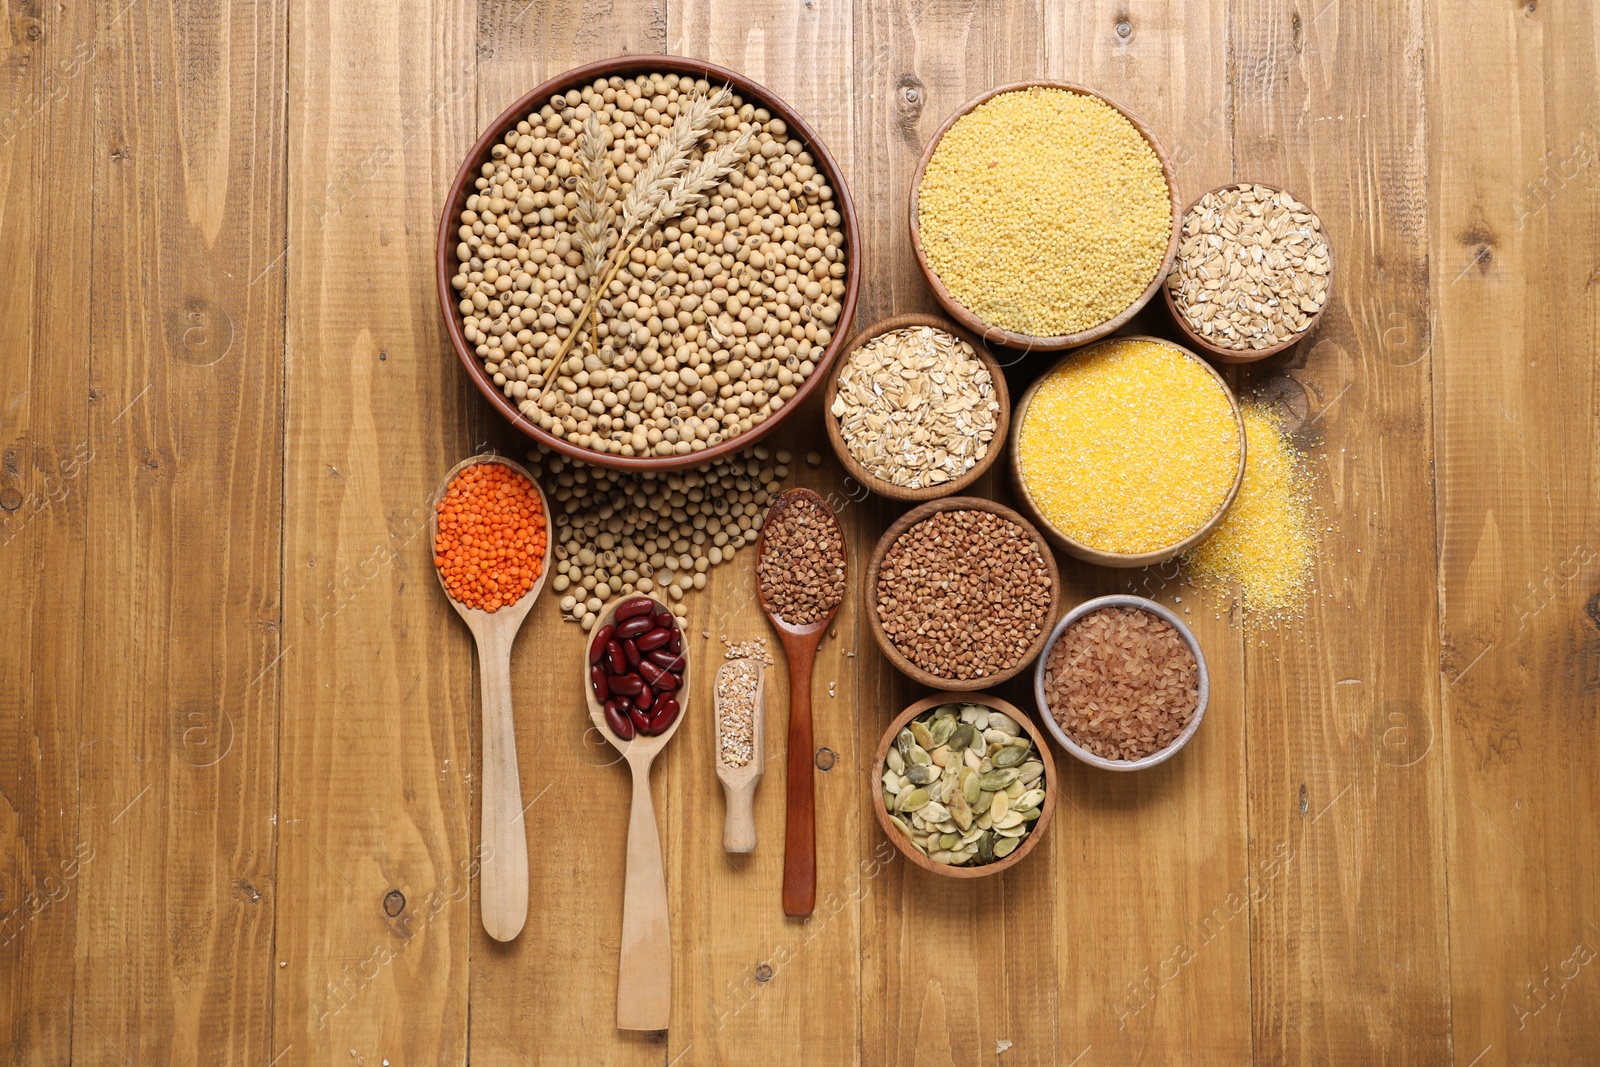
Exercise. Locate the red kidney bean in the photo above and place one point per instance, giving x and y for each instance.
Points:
(666, 711)
(620, 722)
(614, 656)
(654, 640)
(667, 660)
(645, 700)
(640, 605)
(602, 691)
(665, 620)
(667, 683)
(640, 719)
(631, 651)
(597, 648)
(650, 672)
(629, 685)
(634, 627)
(676, 643)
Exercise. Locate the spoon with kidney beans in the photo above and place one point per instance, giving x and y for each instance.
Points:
(636, 680)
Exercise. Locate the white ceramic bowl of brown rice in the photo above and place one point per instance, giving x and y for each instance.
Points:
(1157, 729)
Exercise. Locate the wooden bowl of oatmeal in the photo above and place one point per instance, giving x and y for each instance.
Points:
(892, 477)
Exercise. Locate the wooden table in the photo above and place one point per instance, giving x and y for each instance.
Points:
(238, 817)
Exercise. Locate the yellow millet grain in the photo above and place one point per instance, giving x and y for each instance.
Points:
(1045, 212)
(1266, 543)
(1129, 446)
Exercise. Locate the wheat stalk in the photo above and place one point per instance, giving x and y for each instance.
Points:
(591, 218)
(669, 177)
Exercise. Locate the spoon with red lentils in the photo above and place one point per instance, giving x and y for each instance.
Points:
(491, 551)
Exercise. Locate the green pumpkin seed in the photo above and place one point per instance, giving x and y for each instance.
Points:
(915, 800)
(999, 721)
(961, 811)
(918, 754)
(1010, 756)
(1005, 847)
(924, 737)
(888, 801)
(1029, 772)
(941, 729)
(895, 760)
(969, 785)
(898, 821)
(986, 848)
(1013, 831)
(999, 806)
(1031, 799)
(1028, 814)
(934, 812)
(920, 774)
(1009, 819)
(1015, 790)
(998, 779)
(948, 841)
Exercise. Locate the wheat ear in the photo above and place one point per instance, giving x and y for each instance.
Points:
(654, 183)
(591, 218)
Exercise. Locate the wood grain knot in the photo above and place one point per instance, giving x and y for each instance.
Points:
(826, 758)
(247, 892)
(1593, 608)
(1124, 28)
(910, 95)
(763, 972)
(394, 902)
(10, 499)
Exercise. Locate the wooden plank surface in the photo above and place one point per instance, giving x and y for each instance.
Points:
(184, 500)
(1514, 246)
(239, 731)
(377, 859)
(45, 457)
(1348, 945)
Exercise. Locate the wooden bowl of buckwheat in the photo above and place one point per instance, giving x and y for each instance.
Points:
(961, 593)
(916, 408)
(1246, 297)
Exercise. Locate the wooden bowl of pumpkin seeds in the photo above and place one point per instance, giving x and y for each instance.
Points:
(963, 784)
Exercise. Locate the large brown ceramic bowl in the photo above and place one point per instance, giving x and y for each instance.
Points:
(626, 66)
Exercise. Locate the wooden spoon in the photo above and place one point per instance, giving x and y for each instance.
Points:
(739, 783)
(644, 971)
(503, 880)
(800, 649)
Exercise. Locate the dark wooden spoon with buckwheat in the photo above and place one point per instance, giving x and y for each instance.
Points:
(800, 580)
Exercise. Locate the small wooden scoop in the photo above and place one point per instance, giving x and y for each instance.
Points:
(503, 881)
(800, 649)
(644, 970)
(739, 827)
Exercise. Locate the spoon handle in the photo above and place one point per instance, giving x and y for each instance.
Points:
(503, 888)
(644, 972)
(799, 827)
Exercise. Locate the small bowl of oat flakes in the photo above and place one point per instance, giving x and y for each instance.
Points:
(916, 408)
(1253, 274)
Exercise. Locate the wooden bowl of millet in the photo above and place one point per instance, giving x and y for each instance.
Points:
(999, 335)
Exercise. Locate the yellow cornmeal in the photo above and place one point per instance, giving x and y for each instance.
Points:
(1045, 212)
(1129, 446)
(1266, 542)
